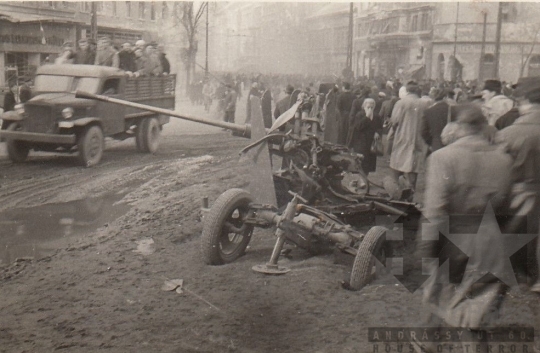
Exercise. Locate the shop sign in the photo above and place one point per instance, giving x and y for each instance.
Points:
(24, 39)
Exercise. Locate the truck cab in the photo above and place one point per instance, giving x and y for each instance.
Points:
(54, 120)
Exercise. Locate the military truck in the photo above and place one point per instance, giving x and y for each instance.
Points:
(54, 120)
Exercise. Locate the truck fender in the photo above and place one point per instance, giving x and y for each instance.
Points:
(86, 121)
(11, 116)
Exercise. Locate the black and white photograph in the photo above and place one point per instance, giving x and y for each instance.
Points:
(256, 176)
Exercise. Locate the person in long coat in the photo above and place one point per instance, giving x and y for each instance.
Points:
(331, 117)
(521, 140)
(468, 178)
(266, 106)
(409, 149)
(364, 129)
(344, 104)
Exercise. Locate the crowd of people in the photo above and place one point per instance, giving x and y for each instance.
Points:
(136, 59)
(480, 148)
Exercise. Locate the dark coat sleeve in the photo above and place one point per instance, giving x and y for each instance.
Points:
(425, 130)
(9, 101)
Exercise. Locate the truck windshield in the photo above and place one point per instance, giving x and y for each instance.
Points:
(53, 83)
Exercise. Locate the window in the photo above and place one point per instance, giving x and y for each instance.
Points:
(414, 23)
(509, 12)
(153, 11)
(99, 6)
(86, 6)
(164, 11)
(141, 10)
(424, 22)
(110, 87)
(128, 8)
(489, 58)
(114, 8)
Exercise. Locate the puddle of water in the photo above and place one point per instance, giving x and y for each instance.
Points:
(38, 231)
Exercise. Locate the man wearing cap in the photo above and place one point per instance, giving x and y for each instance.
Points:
(409, 149)
(106, 55)
(84, 56)
(465, 179)
(495, 104)
(284, 103)
(522, 141)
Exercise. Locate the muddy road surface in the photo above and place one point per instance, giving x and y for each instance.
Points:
(85, 252)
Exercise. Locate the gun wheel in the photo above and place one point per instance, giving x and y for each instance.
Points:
(225, 234)
(364, 263)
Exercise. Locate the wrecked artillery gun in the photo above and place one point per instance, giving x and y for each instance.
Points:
(313, 199)
(314, 193)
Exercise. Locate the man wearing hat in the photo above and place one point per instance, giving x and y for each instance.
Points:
(466, 178)
(84, 56)
(284, 103)
(522, 142)
(409, 149)
(495, 103)
(106, 55)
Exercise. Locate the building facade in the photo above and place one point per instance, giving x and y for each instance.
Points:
(446, 40)
(32, 32)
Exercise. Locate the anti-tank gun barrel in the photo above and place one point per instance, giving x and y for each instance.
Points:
(240, 130)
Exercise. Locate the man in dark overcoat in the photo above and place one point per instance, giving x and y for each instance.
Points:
(344, 104)
(284, 103)
(434, 120)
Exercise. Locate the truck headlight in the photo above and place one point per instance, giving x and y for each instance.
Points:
(67, 113)
(19, 108)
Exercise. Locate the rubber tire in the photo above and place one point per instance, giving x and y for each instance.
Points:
(89, 155)
(222, 209)
(148, 134)
(17, 150)
(365, 258)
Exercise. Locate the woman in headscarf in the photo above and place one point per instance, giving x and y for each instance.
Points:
(364, 129)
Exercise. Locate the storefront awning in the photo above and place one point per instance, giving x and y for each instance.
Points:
(30, 18)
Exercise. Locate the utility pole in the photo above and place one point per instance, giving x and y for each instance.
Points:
(348, 64)
(455, 30)
(498, 42)
(93, 21)
(206, 62)
(482, 49)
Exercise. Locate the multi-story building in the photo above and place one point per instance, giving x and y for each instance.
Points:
(279, 37)
(327, 39)
(393, 39)
(32, 32)
(460, 48)
(445, 40)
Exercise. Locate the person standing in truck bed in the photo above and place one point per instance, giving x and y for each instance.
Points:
(106, 55)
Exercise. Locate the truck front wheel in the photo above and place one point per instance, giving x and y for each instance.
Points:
(148, 135)
(90, 145)
(17, 150)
